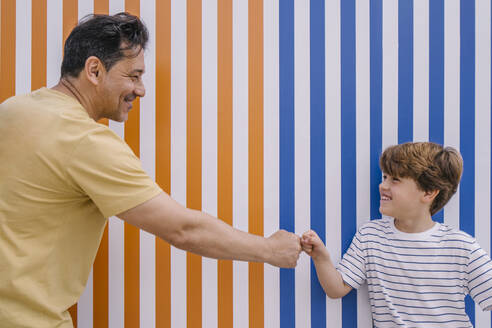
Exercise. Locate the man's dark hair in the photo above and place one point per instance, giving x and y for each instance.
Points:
(105, 37)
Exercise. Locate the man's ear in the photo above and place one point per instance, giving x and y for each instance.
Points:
(94, 70)
(429, 196)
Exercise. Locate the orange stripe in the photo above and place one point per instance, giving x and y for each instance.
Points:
(100, 284)
(255, 89)
(224, 153)
(38, 44)
(7, 49)
(194, 153)
(163, 155)
(101, 7)
(70, 14)
(132, 234)
(70, 17)
(100, 290)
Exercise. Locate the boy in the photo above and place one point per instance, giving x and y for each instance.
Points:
(418, 271)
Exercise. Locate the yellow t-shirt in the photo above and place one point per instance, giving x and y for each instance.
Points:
(61, 175)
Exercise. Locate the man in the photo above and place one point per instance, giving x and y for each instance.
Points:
(62, 174)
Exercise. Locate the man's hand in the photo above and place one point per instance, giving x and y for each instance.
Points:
(285, 247)
(313, 245)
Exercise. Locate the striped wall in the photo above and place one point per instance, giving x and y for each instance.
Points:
(272, 114)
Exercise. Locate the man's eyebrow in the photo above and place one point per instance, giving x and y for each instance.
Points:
(138, 70)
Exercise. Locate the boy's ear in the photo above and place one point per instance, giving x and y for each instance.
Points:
(429, 196)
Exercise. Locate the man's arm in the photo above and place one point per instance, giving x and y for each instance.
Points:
(205, 235)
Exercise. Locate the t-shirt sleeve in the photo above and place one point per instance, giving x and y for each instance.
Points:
(104, 168)
(480, 277)
(352, 266)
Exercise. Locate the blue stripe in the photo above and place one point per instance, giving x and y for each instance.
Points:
(467, 125)
(405, 71)
(348, 145)
(436, 78)
(317, 144)
(376, 89)
(286, 145)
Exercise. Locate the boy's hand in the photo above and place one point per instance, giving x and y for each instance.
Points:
(313, 245)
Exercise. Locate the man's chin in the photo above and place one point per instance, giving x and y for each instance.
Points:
(121, 118)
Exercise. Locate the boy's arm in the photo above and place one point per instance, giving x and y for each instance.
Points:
(330, 279)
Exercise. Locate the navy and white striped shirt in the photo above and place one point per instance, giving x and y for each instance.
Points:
(418, 279)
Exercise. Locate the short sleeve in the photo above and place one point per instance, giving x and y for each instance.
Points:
(352, 266)
(480, 277)
(104, 168)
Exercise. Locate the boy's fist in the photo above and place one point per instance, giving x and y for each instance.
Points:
(312, 244)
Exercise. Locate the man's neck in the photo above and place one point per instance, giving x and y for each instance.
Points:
(71, 89)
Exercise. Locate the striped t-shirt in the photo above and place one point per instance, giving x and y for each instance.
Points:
(418, 279)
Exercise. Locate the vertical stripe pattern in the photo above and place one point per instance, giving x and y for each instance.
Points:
(272, 114)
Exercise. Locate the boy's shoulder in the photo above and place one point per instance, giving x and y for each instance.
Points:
(378, 227)
(450, 232)
(380, 224)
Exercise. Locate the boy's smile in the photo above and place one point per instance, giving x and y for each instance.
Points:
(402, 199)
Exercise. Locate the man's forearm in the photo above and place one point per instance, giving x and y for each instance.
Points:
(200, 237)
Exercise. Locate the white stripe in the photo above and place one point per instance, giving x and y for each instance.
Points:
(116, 6)
(147, 156)
(209, 152)
(302, 156)
(116, 272)
(240, 155)
(85, 8)
(178, 153)
(23, 37)
(271, 154)
(333, 147)
(482, 137)
(421, 70)
(363, 136)
(390, 73)
(452, 95)
(116, 259)
(54, 41)
(84, 305)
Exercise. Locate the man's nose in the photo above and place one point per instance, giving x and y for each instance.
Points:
(140, 89)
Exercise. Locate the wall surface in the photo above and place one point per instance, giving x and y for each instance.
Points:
(272, 114)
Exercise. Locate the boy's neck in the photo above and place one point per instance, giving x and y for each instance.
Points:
(415, 224)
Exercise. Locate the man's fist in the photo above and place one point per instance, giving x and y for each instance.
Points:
(285, 248)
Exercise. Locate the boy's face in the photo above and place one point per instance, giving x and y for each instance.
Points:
(401, 198)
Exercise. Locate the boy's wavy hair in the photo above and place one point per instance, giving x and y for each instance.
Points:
(431, 166)
(105, 37)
